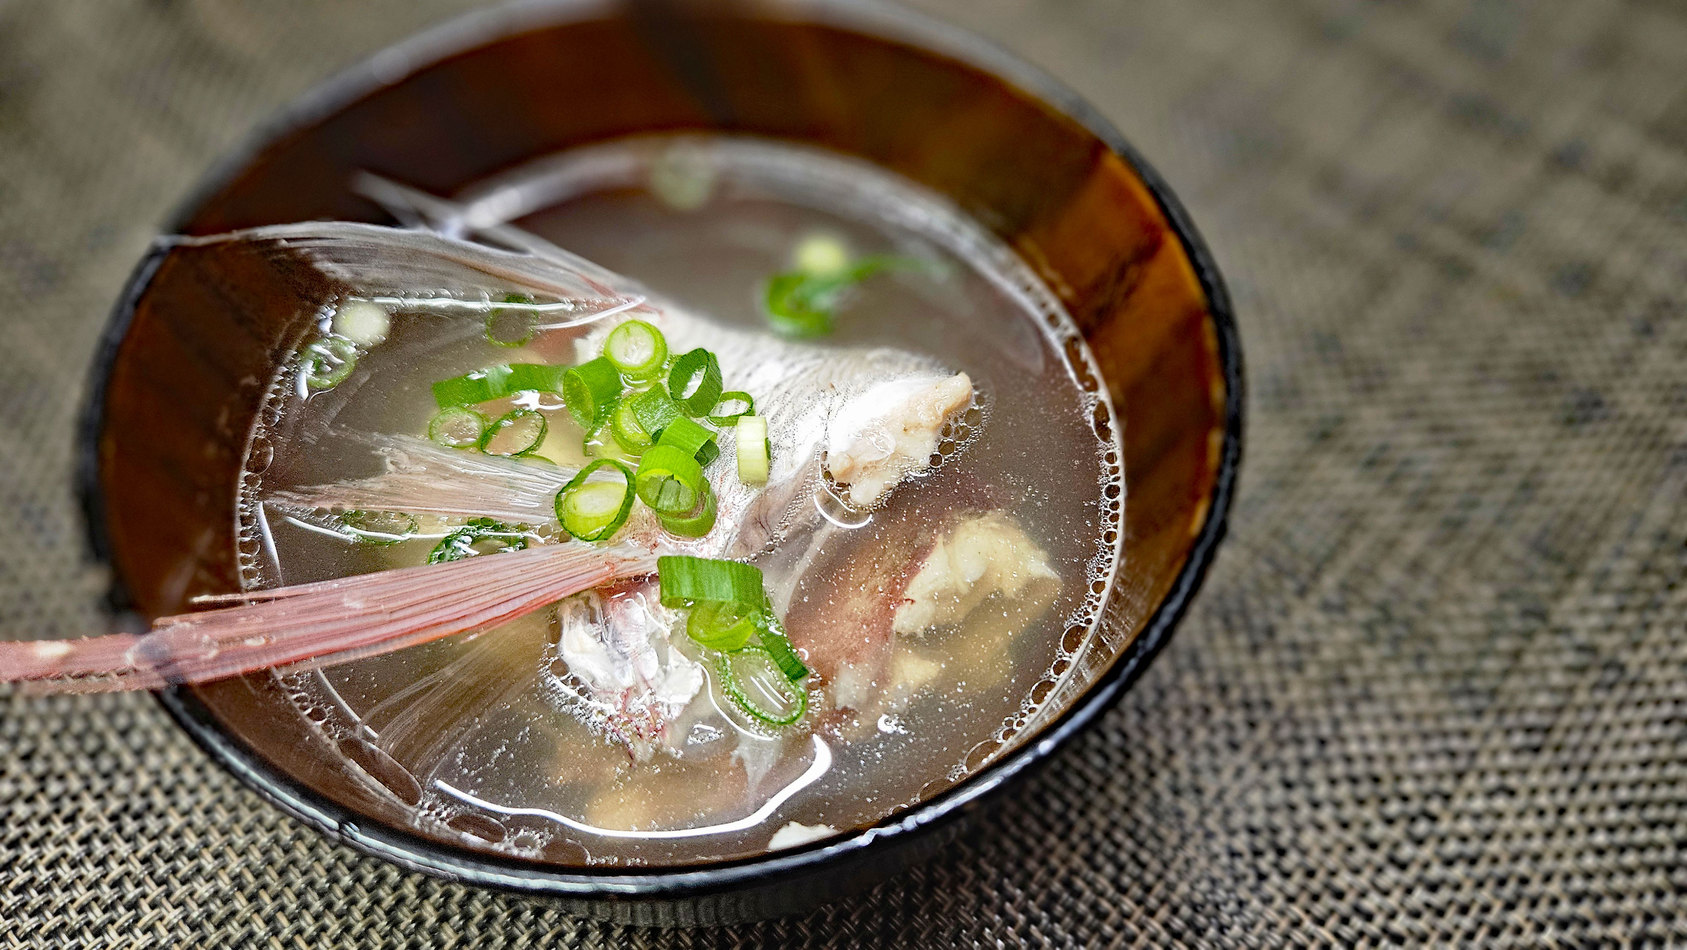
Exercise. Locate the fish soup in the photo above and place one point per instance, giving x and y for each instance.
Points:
(913, 465)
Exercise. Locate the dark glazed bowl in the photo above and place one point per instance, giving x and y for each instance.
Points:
(178, 383)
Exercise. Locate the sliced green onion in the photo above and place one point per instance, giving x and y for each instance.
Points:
(700, 520)
(792, 308)
(595, 510)
(802, 303)
(457, 427)
(637, 349)
(685, 581)
(516, 432)
(509, 327)
(365, 324)
(722, 595)
(536, 378)
(739, 670)
(692, 438)
(590, 389)
(482, 385)
(695, 381)
(755, 453)
(654, 410)
(329, 361)
(778, 645)
(731, 401)
(496, 382)
(722, 626)
(624, 426)
(379, 527)
(669, 480)
(478, 536)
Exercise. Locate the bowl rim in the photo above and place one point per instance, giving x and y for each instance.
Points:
(414, 852)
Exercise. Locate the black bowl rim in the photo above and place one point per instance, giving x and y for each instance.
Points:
(416, 853)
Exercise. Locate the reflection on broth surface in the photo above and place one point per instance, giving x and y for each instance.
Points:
(935, 527)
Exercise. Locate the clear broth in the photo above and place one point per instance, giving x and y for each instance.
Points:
(469, 734)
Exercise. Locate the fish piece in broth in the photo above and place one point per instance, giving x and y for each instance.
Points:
(846, 426)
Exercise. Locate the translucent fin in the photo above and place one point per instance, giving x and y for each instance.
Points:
(321, 624)
(423, 478)
(419, 268)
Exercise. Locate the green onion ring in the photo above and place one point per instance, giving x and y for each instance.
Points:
(721, 626)
(589, 390)
(329, 361)
(774, 641)
(724, 419)
(515, 417)
(637, 349)
(528, 327)
(585, 510)
(692, 438)
(695, 381)
(654, 409)
(457, 427)
(734, 690)
(755, 451)
(397, 526)
(696, 523)
(625, 428)
(669, 480)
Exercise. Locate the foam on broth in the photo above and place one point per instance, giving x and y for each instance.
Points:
(474, 735)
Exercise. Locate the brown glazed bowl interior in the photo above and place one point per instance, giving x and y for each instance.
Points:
(178, 387)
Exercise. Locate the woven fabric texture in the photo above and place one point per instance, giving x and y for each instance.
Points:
(1435, 689)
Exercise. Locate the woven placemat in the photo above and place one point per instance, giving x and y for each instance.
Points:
(1435, 690)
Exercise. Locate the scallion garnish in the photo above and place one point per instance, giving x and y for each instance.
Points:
(696, 522)
(457, 427)
(482, 385)
(722, 626)
(685, 581)
(731, 407)
(755, 452)
(625, 427)
(510, 327)
(637, 349)
(778, 645)
(478, 536)
(589, 390)
(654, 409)
(516, 432)
(669, 480)
(695, 381)
(595, 510)
(329, 361)
(721, 595)
(692, 438)
(496, 382)
(751, 667)
(802, 303)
